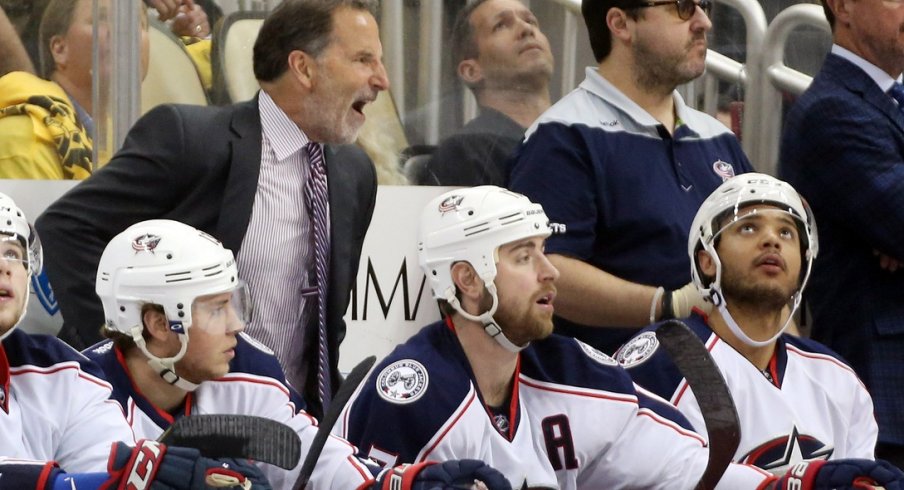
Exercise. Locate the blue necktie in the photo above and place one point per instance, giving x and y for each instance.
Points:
(316, 194)
(897, 92)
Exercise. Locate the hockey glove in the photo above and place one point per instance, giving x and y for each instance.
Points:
(155, 466)
(840, 474)
(679, 303)
(454, 474)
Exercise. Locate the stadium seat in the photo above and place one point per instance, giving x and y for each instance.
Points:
(172, 76)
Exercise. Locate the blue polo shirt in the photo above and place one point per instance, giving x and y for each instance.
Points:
(625, 189)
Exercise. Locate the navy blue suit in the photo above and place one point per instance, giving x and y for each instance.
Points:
(843, 150)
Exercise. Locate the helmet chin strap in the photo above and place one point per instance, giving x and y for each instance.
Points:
(719, 300)
(165, 367)
(486, 318)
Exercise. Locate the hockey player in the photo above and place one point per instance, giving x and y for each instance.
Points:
(175, 310)
(751, 248)
(490, 381)
(57, 415)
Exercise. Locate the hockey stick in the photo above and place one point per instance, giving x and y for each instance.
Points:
(329, 419)
(716, 404)
(237, 436)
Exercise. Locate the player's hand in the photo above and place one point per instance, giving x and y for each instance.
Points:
(151, 464)
(454, 474)
(841, 474)
(683, 300)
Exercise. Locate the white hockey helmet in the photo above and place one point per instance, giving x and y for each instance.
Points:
(14, 226)
(170, 264)
(470, 225)
(724, 207)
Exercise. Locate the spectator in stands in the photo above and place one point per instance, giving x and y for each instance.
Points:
(318, 64)
(47, 123)
(621, 164)
(188, 18)
(843, 148)
(504, 58)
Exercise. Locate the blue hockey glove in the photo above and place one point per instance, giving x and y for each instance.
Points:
(455, 474)
(155, 466)
(840, 474)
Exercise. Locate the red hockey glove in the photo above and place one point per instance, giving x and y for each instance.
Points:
(839, 474)
(155, 466)
(453, 474)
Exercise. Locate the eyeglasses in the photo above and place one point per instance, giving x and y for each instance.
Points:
(686, 8)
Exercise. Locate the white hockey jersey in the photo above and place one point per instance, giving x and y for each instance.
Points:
(255, 385)
(575, 420)
(808, 405)
(56, 406)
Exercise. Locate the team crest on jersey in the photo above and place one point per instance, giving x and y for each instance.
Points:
(777, 455)
(402, 381)
(723, 169)
(596, 355)
(637, 350)
(145, 243)
(450, 203)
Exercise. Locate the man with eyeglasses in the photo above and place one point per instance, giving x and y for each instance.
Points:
(842, 147)
(621, 164)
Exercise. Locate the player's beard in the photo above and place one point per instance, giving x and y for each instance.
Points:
(520, 326)
(744, 293)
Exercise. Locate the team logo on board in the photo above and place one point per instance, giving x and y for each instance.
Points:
(637, 350)
(723, 169)
(145, 243)
(596, 355)
(402, 381)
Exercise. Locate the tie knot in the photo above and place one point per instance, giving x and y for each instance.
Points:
(897, 92)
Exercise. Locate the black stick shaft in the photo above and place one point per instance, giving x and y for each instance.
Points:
(716, 404)
(342, 396)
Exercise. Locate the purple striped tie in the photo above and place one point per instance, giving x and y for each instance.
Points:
(316, 196)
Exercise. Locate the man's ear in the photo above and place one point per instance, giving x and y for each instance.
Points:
(155, 324)
(470, 72)
(302, 66)
(840, 10)
(466, 281)
(60, 51)
(617, 20)
(706, 263)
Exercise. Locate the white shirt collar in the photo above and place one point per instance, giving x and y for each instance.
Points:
(882, 79)
(285, 137)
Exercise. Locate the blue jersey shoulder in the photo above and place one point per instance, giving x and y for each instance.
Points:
(567, 361)
(419, 385)
(23, 349)
(253, 357)
(649, 365)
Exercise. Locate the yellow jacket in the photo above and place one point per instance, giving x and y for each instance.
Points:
(40, 137)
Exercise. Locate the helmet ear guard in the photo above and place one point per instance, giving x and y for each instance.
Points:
(470, 225)
(723, 208)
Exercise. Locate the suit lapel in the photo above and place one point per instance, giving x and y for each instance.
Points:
(341, 222)
(858, 82)
(244, 170)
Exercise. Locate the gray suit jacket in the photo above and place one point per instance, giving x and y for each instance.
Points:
(200, 166)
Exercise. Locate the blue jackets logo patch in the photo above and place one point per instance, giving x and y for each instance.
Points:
(723, 169)
(402, 381)
(637, 350)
